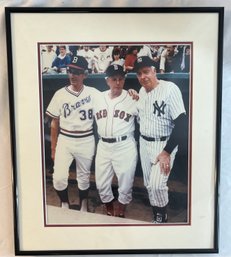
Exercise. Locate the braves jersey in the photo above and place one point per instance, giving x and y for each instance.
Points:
(115, 117)
(158, 108)
(74, 110)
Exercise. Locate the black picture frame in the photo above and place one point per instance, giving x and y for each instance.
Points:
(21, 124)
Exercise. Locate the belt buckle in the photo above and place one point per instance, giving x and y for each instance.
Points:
(118, 139)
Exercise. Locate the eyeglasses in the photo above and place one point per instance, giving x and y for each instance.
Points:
(75, 71)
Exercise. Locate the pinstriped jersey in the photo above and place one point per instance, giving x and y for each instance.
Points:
(74, 110)
(158, 108)
(115, 117)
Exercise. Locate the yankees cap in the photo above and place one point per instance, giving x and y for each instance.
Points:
(78, 62)
(114, 69)
(143, 61)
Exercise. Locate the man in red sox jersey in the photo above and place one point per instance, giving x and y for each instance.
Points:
(72, 138)
(162, 118)
(117, 149)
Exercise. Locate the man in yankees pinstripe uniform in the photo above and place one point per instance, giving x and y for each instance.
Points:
(71, 110)
(162, 117)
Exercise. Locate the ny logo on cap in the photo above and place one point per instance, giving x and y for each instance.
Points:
(139, 60)
(116, 67)
(75, 59)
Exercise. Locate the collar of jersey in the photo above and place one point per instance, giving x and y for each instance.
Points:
(73, 92)
(117, 99)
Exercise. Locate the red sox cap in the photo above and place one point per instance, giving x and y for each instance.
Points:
(114, 69)
(78, 62)
(143, 61)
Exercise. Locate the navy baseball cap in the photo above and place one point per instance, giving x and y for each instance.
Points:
(114, 69)
(78, 62)
(143, 61)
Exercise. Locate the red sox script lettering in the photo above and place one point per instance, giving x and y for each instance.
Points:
(117, 114)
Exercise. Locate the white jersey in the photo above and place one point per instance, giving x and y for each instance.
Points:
(48, 58)
(119, 62)
(88, 55)
(102, 59)
(115, 117)
(145, 50)
(158, 108)
(74, 110)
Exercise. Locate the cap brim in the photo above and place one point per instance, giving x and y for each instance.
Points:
(142, 65)
(75, 67)
(115, 73)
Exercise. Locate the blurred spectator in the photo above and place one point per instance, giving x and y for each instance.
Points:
(185, 58)
(130, 58)
(170, 60)
(145, 51)
(73, 49)
(123, 51)
(88, 54)
(156, 50)
(116, 57)
(48, 55)
(156, 54)
(62, 60)
(102, 57)
(58, 50)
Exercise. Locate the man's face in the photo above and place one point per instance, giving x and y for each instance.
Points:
(147, 77)
(62, 50)
(116, 83)
(170, 50)
(86, 48)
(187, 51)
(102, 48)
(76, 77)
(135, 51)
(49, 48)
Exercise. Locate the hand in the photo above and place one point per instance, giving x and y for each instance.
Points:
(134, 94)
(164, 160)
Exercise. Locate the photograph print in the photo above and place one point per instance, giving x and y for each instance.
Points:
(116, 133)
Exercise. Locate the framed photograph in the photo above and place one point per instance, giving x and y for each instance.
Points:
(115, 125)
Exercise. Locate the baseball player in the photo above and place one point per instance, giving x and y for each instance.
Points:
(117, 149)
(71, 110)
(162, 118)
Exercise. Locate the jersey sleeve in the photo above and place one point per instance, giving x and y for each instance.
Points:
(96, 98)
(176, 102)
(53, 108)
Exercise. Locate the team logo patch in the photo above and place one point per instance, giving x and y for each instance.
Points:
(159, 109)
(75, 59)
(116, 67)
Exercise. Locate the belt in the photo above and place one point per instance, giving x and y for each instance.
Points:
(75, 136)
(153, 138)
(76, 133)
(114, 140)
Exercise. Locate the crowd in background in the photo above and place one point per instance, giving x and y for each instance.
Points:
(168, 58)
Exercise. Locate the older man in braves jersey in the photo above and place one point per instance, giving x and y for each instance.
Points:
(162, 117)
(71, 110)
(117, 149)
